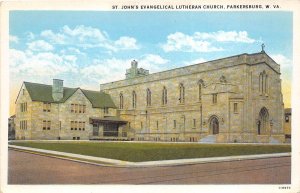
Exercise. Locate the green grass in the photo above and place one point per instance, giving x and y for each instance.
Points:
(137, 152)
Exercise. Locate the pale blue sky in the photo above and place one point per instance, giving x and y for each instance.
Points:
(86, 48)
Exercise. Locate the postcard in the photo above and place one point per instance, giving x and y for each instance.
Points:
(143, 96)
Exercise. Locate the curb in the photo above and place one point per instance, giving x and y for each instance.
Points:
(120, 163)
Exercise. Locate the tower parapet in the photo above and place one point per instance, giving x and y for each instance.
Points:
(134, 71)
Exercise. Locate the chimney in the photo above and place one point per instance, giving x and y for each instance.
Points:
(57, 89)
(134, 64)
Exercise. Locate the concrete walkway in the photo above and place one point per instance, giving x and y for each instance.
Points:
(120, 163)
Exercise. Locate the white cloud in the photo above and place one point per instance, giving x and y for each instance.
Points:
(54, 38)
(43, 64)
(114, 69)
(40, 45)
(202, 41)
(89, 37)
(126, 43)
(222, 36)
(196, 61)
(282, 60)
(182, 42)
(13, 39)
(152, 62)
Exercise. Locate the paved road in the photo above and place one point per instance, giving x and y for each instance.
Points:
(26, 168)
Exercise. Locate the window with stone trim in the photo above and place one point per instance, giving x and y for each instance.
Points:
(23, 125)
(181, 93)
(164, 96)
(121, 101)
(235, 107)
(148, 97)
(194, 123)
(46, 107)
(105, 110)
(263, 83)
(23, 107)
(133, 99)
(214, 98)
(200, 85)
(78, 108)
(174, 124)
(46, 125)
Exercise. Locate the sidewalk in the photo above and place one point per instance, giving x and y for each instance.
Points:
(120, 163)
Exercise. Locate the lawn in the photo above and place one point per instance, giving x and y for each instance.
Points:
(137, 152)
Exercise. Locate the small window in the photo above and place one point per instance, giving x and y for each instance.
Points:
(194, 123)
(235, 107)
(156, 124)
(74, 138)
(174, 124)
(141, 124)
(181, 93)
(44, 125)
(72, 108)
(48, 125)
(148, 98)
(121, 100)
(105, 110)
(133, 99)
(215, 98)
(76, 108)
(287, 119)
(46, 107)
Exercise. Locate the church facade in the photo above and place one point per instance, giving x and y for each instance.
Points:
(234, 99)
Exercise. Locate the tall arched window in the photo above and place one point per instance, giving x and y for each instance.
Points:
(263, 83)
(181, 93)
(121, 101)
(164, 96)
(133, 99)
(148, 97)
(200, 84)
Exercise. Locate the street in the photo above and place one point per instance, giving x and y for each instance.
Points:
(26, 168)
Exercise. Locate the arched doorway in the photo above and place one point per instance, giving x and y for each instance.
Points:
(214, 125)
(263, 122)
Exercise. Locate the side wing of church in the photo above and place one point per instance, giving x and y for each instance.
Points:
(233, 99)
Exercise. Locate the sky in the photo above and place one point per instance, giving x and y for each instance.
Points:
(86, 48)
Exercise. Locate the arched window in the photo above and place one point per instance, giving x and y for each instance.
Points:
(266, 83)
(200, 85)
(260, 83)
(164, 96)
(148, 97)
(121, 101)
(263, 83)
(133, 99)
(181, 93)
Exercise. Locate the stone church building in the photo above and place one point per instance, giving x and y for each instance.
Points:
(233, 99)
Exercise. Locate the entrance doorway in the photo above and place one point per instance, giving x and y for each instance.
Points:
(263, 126)
(214, 125)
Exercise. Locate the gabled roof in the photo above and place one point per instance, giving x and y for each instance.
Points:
(43, 93)
(99, 99)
